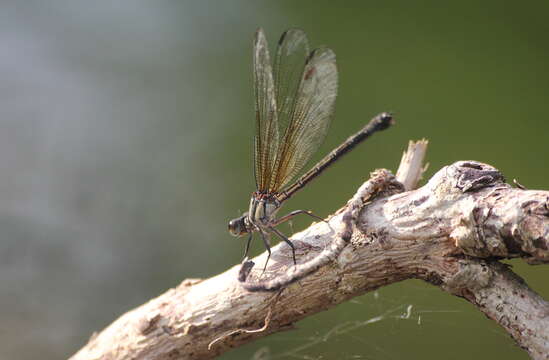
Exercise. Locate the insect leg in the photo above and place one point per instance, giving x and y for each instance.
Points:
(283, 237)
(248, 246)
(268, 246)
(294, 213)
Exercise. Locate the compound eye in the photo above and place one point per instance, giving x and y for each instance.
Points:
(236, 227)
(232, 227)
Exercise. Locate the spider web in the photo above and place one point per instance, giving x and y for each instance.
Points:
(409, 320)
(386, 310)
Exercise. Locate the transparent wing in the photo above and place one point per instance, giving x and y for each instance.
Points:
(267, 131)
(289, 62)
(309, 117)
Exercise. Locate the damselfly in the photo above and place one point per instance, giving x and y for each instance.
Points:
(294, 104)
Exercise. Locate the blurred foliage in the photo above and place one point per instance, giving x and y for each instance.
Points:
(125, 147)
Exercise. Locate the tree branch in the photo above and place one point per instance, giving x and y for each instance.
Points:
(450, 232)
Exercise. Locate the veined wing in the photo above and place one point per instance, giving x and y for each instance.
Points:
(289, 62)
(309, 117)
(267, 132)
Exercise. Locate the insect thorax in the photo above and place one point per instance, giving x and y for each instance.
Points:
(263, 209)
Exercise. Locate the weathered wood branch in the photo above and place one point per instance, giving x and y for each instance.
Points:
(380, 184)
(450, 232)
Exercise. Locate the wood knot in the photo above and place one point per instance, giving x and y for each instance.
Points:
(473, 175)
(149, 324)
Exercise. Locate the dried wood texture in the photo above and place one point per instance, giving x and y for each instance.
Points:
(411, 167)
(450, 232)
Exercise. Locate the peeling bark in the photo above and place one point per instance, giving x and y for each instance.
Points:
(450, 232)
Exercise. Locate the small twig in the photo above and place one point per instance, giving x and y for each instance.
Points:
(411, 168)
(519, 185)
(246, 331)
(265, 326)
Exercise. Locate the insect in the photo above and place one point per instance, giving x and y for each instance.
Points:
(294, 105)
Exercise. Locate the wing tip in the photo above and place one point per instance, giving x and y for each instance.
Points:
(295, 32)
(324, 52)
(259, 36)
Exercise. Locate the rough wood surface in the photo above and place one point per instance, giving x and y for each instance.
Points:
(411, 167)
(450, 232)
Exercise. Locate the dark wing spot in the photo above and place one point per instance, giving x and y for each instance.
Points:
(309, 73)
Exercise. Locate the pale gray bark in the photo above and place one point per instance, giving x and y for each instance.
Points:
(450, 232)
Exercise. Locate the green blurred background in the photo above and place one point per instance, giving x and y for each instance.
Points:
(125, 138)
